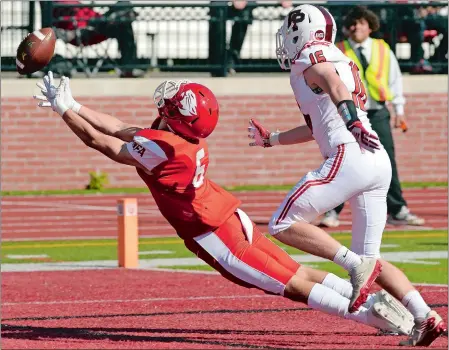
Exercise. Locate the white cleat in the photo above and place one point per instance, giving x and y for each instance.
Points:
(362, 278)
(390, 315)
(427, 331)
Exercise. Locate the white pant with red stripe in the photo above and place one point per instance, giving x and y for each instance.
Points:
(362, 178)
(242, 254)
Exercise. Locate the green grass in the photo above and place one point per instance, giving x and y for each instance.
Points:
(133, 190)
(404, 241)
(106, 249)
(436, 274)
(86, 250)
(416, 273)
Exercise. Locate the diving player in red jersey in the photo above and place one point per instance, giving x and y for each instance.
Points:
(172, 159)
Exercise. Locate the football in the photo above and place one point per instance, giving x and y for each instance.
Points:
(35, 51)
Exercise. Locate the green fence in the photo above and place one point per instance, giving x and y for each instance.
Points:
(17, 20)
(188, 37)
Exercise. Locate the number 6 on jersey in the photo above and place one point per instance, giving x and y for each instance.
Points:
(200, 169)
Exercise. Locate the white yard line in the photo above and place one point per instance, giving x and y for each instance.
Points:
(22, 256)
(155, 252)
(410, 257)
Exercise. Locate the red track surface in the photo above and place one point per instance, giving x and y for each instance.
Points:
(136, 309)
(95, 215)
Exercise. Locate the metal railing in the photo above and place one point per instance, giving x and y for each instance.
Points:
(187, 37)
(17, 20)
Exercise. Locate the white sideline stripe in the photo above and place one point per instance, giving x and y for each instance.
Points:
(106, 301)
(150, 252)
(197, 272)
(163, 262)
(409, 257)
(389, 245)
(21, 256)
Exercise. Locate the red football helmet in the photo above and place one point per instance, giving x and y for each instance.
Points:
(190, 109)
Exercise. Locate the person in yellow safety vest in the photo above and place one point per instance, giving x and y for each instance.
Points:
(380, 72)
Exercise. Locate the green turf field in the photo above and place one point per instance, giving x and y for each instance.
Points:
(421, 254)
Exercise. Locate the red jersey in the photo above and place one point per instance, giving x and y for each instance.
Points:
(175, 171)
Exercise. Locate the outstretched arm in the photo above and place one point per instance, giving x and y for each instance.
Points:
(322, 75)
(110, 146)
(296, 135)
(108, 124)
(105, 123)
(264, 138)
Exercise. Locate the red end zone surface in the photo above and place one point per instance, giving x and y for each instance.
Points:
(136, 309)
(95, 215)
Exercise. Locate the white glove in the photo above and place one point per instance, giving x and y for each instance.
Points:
(59, 99)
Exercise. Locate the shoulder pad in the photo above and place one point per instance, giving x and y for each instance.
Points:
(312, 53)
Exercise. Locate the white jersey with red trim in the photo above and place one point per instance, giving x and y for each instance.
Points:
(320, 113)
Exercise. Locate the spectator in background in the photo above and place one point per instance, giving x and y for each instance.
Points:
(435, 20)
(343, 6)
(418, 19)
(381, 75)
(81, 25)
(241, 13)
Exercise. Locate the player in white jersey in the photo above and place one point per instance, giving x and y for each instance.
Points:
(331, 96)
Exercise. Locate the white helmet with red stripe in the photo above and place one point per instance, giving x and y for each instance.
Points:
(303, 24)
